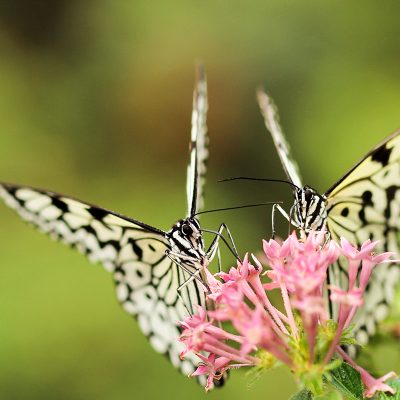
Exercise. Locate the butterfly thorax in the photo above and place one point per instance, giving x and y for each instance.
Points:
(186, 239)
(310, 209)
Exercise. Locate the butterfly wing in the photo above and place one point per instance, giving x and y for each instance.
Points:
(198, 145)
(271, 120)
(365, 204)
(133, 252)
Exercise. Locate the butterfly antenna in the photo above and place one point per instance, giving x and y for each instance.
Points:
(249, 178)
(268, 203)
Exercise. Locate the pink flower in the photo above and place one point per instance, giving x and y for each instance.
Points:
(255, 330)
(236, 274)
(364, 258)
(354, 257)
(228, 293)
(352, 253)
(199, 318)
(368, 263)
(312, 305)
(374, 385)
(213, 367)
(350, 298)
(244, 324)
(274, 251)
(301, 266)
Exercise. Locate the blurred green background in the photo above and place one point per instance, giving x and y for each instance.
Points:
(95, 102)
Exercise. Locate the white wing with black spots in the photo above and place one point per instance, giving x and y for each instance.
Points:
(365, 204)
(146, 279)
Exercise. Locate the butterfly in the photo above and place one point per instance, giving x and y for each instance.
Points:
(157, 273)
(363, 204)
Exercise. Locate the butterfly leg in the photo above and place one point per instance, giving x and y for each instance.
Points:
(282, 211)
(215, 243)
(179, 259)
(327, 238)
(219, 260)
(182, 286)
(192, 277)
(289, 218)
(274, 207)
(189, 312)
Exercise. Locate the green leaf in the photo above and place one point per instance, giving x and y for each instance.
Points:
(348, 381)
(395, 384)
(347, 337)
(304, 394)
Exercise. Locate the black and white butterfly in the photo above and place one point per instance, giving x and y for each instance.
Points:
(363, 204)
(157, 273)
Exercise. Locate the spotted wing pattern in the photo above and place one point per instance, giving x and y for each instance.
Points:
(365, 204)
(133, 252)
(271, 120)
(197, 167)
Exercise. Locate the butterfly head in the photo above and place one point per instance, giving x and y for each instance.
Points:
(309, 209)
(186, 238)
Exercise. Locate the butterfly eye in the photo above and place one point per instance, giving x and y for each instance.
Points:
(308, 195)
(187, 230)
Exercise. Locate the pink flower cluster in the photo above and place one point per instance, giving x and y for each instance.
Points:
(302, 335)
